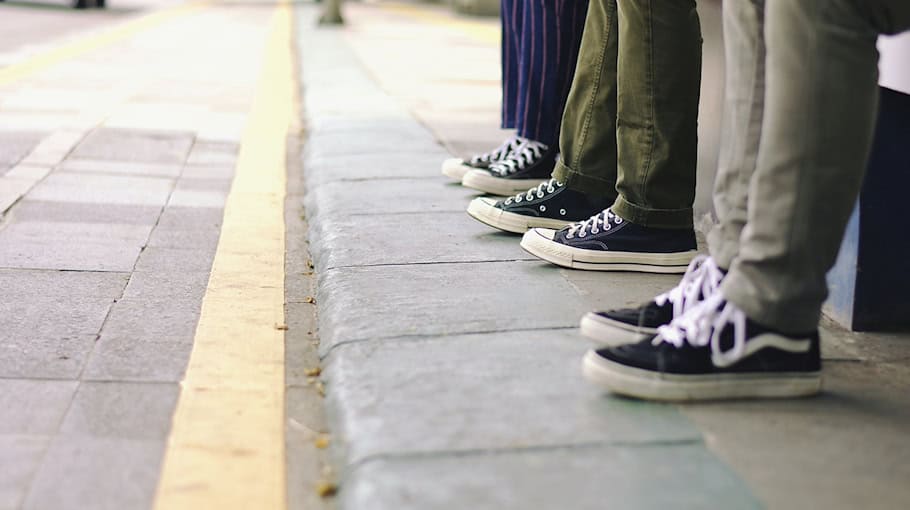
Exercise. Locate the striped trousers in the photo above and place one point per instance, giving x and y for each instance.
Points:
(540, 40)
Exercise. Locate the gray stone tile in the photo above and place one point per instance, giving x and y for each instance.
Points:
(135, 145)
(610, 290)
(52, 317)
(466, 393)
(195, 198)
(213, 153)
(103, 189)
(15, 145)
(63, 284)
(33, 407)
(388, 301)
(198, 184)
(590, 478)
(122, 168)
(158, 318)
(191, 218)
(205, 239)
(67, 234)
(97, 473)
(344, 199)
(144, 285)
(397, 138)
(20, 457)
(125, 359)
(123, 410)
(75, 257)
(409, 239)
(69, 212)
(208, 171)
(176, 260)
(355, 167)
(44, 357)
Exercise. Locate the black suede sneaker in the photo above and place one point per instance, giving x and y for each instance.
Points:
(711, 352)
(550, 204)
(606, 242)
(527, 166)
(456, 168)
(632, 325)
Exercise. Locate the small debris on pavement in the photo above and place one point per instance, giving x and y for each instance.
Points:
(313, 372)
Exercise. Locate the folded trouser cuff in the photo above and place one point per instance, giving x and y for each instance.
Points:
(654, 218)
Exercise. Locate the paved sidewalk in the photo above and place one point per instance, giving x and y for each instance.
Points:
(451, 357)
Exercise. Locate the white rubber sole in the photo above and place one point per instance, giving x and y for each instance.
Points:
(482, 209)
(539, 242)
(455, 169)
(647, 385)
(481, 180)
(612, 333)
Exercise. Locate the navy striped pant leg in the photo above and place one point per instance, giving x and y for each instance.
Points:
(550, 38)
(512, 16)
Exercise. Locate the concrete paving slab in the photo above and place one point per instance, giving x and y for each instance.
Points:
(154, 318)
(200, 171)
(33, 407)
(15, 146)
(158, 259)
(20, 457)
(358, 167)
(222, 185)
(70, 212)
(103, 189)
(144, 285)
(205, 239)
(369, 303)
(121, 167)
(470, 392)
(403, 239)
(121, 410)
(125, 359)
(188, 218)
(74, 233)
(193, 198)
(213, 153)
(76, 256)
(48, 357)
(98, 473)
(584, 478)
(413, 141)
(65, 285)
(28, 172)
(345, 199)
(135, 145)
(52, 316)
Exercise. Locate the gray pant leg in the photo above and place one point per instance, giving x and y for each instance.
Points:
(744, 99)
(821, 100)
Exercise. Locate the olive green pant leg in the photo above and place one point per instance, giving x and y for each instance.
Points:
(659, 81)
(588, 134)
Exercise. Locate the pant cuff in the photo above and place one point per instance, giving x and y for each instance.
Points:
(722, 250)
(591, 186)
(654, 218)
(784, 317)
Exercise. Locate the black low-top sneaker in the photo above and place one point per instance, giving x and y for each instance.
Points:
(456, 168)
(631, 325)
(549, 204)
(606, 242)
(711, 352)
(527, 166)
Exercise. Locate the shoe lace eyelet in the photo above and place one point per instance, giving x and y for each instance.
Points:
(543, 208)
(595, 231)
(540, 194)
(562, 212)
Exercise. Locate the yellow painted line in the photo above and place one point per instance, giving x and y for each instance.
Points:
(93, 42)
(227, 448)
(484, 32)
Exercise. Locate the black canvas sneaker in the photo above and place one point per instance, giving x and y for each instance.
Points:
(527, 166)
(550, 204)
(632, 325)
(606, 242)
(456, 168)
(711, 352)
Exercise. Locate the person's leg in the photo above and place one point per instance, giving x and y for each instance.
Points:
(549, 44)
(512, 17)
(587, 142)
(744, 100)
(659, 77)
(822, 94)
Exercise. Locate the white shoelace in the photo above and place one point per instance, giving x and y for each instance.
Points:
(525, 154)
(702, 279)
(540, 191)
(601, 221)
(702, 325)
(501, 152)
